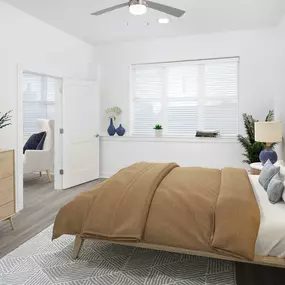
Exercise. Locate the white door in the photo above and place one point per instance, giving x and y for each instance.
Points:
(81, 128)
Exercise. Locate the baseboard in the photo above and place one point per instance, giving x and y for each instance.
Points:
(105, 175)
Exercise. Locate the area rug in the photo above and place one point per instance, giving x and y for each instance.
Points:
(43, 262)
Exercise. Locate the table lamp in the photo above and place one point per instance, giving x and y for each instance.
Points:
(268, 132)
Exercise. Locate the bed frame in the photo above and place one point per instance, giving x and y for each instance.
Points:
(258, 260)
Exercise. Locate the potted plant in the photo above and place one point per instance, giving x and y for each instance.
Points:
(158, 130)
(5, 120)
(113, 113)
(252, 147)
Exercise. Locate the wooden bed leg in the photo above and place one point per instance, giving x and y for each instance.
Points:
(77, 246)
(48, 175)
(11, 223)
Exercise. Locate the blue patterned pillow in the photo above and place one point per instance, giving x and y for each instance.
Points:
(34, 141)
(275, 189)
(267, 173)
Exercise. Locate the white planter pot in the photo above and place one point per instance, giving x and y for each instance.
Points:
(158, 133)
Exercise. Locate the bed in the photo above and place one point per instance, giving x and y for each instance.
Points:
(271, 235)
(222, 214)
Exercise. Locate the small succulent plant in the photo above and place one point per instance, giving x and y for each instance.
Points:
(158, 127)
(5, 120)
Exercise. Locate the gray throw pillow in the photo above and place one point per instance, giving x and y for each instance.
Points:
(275, 189)
(267, 173)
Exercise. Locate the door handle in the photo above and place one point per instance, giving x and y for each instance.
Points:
(97, 135)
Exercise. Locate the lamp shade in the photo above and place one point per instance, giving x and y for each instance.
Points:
(268, 132)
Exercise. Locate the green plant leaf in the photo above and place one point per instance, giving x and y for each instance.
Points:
(158, 127)
(5, 120)
(249, 127)
(270, 116)
(253, 148)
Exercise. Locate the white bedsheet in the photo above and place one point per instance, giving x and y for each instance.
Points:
(271, 235)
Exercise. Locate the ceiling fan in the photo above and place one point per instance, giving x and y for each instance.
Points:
(139, 7)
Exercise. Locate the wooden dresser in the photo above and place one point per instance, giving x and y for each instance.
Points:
(7, 186)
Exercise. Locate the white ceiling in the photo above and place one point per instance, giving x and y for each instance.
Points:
(202, 16)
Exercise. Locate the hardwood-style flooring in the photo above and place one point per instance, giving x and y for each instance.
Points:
(41, 204)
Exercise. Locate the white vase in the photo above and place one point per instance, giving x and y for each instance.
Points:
(158, 133)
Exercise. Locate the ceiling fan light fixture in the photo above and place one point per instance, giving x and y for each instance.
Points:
(163, 20)
(138, 7)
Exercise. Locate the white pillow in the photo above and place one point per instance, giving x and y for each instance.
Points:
(281, 164)
(282, 172)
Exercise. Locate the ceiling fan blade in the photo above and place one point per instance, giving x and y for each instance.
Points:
(166, 9)
(98, 13)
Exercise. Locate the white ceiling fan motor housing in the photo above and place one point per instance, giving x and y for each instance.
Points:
(138, 7)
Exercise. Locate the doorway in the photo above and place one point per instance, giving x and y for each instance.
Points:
(41, 103)
(73, 106)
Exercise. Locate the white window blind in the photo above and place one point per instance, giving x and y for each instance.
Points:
(39, 93)
(185, 97)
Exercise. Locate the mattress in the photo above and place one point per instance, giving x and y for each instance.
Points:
(271, 235)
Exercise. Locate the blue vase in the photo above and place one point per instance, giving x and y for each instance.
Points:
(120, 131)
(268, 153)
(111, 130)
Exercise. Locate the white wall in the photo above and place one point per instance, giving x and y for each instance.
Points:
(254, 48)
(279, 58)
(36, 46)
(257, 89)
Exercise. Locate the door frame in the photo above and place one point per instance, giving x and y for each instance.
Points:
(19, 176)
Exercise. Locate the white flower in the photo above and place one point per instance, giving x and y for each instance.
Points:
(113, 112)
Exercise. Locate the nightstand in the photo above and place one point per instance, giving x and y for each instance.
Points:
(255, 168)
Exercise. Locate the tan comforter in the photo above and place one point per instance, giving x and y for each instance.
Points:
(201, 209)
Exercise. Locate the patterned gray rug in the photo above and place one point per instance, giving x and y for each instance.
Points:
(42, 262)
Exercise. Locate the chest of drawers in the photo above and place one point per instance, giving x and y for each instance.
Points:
(7, 185)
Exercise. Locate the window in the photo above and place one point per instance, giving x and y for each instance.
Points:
(39, 100)
(185, 97)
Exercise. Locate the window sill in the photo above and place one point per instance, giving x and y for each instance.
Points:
(167, 139)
